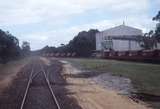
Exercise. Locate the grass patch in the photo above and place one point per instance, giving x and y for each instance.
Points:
(145, 77)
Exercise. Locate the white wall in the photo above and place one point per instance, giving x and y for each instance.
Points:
(135, 45)
(120, 45)
(123, 45)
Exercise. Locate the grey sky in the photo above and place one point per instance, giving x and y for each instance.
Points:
(52, 22)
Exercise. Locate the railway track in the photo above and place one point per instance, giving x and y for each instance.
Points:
(32, 76)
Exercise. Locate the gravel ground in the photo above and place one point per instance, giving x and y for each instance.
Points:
(93, 96)
(39, 96)
(107, 80)
(120, 84)
(59, 84)
(12, 96)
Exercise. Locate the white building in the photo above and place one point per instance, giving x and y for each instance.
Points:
(120, 38)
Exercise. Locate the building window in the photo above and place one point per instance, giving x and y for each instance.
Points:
(107, 44)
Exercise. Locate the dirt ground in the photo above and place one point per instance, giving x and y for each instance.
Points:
(72, 90)
(8, 72)
(92, 96)
(39, 96)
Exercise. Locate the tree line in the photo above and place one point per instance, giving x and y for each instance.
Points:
(9, 47)
(83, 44)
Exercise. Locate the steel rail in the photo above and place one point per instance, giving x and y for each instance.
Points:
(31, 77)
(27, 88)
(34, 75)
(50, 88)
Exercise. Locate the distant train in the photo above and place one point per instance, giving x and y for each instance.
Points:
(142, 55)
(59, 54)
(152, 56)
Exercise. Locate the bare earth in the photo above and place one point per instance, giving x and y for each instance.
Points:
(73, 92)
(39, 96)
(92, 96)
(8, 72)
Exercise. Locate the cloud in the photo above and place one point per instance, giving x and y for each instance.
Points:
(33, 11)
(58, 16)
(64, 35)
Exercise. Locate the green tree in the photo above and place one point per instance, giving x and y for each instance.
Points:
(157, 31)
(84, 43)
(148, 43)
(9, 46)
(26, 48)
